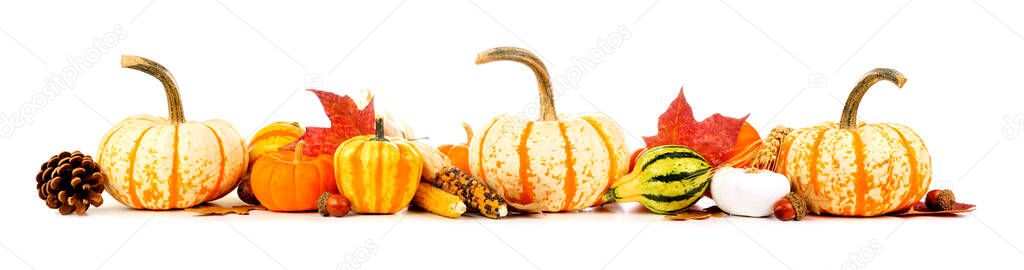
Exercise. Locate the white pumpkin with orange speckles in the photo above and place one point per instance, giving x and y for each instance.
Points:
(547, 165)
(159, 163)
(856, 169)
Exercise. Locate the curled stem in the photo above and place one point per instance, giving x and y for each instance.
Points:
(174, 110)
(547, 97)
(849, 117)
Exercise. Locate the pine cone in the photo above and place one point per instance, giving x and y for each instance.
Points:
(70, 182)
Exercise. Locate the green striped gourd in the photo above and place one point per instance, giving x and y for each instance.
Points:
(667, 179)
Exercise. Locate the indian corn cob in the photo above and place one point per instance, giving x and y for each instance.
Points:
(438, 170)
(438, 201)
(479, 196)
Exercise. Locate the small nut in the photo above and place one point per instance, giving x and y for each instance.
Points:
(338, 205)
(783, 210)
(333, 205)
(940, 200)
(245, 192)
(791, 207)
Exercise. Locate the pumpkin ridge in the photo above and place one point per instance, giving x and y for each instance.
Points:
(908, 200)
(404, 170)
(317, 177)
(569, 188)
(268, 185)
(378, 177)
(890, 182)
(480, 161)
(289, 202)
(390, 157)
(174, 181)
(223, 163)
(860, 180)
(131, 170)
(814, 157)
(357, 187)
(526, 194)
(613, 169)
(106, 140)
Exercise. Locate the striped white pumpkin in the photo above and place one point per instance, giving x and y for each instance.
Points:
(151, 163)
(855, 169)
(547, 165)
(550, 165)
(167, 163)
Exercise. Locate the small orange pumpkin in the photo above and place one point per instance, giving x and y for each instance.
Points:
(459, 153)
(288, 181)
(379, 175)
(856, 169)
(742, 154)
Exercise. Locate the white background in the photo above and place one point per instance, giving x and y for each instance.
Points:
(785, 63)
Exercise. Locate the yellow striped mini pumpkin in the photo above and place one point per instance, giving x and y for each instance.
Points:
(556, 163)
(378, 174)
(168, 163)
(855, 169)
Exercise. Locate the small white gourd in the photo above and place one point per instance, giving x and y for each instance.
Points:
(747, 192)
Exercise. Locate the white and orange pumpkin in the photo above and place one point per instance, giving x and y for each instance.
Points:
(167, 163)
(557, 163)
(856, 169)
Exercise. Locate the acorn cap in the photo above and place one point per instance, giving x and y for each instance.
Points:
(321, 204)
(799, 205)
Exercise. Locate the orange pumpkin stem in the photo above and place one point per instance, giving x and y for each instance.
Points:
(469, 132)
(547, 96)
(298, 151)
(174, 110)
(849, 118)
(379, 130)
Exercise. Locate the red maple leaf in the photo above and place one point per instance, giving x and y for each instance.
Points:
(712, 138)
(347, 121)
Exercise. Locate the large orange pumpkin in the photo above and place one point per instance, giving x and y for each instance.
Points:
(289, 181)
(378, 175)
(557, 163)
(157, 163)
(856, 169)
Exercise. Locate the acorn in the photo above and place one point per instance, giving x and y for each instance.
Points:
(333, 205)
(940, 200)
(245, 193)
(791, 207)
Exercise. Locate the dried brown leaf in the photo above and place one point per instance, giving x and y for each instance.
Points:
(209, 209)
(920, 209)
(689, 215)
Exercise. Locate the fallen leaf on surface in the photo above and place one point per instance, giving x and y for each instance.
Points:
(347, 121)
(715, 211)
(920, 209)
(209, 209)
(712, 137)
(689, 215)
